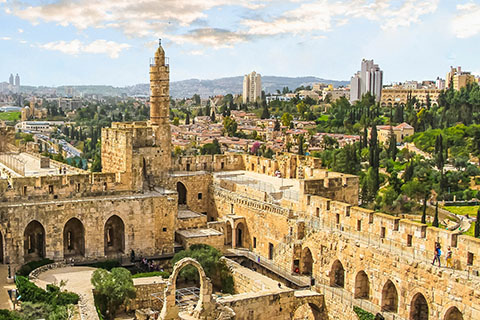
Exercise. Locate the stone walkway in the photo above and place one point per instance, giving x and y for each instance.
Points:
(5, 302)
(77, 280)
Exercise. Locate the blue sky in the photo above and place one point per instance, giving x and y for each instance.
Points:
(61, 42)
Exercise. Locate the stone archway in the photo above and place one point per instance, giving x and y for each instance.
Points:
(362, 286)
(419, 308)
(114, 236)
(389, 297)
(337, 275)
(308, 311)
(240, 235)
(169, 309)
(73, 238)
(182, 193)
(34, 241)
(306, 262)
(453, 314)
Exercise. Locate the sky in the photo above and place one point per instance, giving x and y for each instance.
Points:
(110, 42)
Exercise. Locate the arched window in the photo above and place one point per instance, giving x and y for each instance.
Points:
(114, 235)
(306, 263)
(453, 314)
(34, 241)
(419, 308)
(182, 193)
(73, 238)
(362, 286)
(389, 297)
(337, 275)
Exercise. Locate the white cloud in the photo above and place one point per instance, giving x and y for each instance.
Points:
(20, 30)
(5, 38)
(212, 37)
(324, 15)
(135, 18)
(466, 23)
(75, 47)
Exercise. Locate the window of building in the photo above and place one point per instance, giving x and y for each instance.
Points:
(188, 166)
(338, 218)
(328, 205)
(231, 208)
(200, 195)
(347, 211)
(270, 251)
(317, 212)
(24, 190)
(370, 218)
(164, 229)
(396, 225)
(359, 225)
(222, 165)
(470, 257)
(308, 200)
(409, 240)
(382, 232)
(254, 242)
(78, 187)
(50, 189)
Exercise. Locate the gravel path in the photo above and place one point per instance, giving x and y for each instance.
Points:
(77, 280)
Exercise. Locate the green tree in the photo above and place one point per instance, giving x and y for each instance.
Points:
(230, 126)
(301, 142)
(265, 113)
(112, 289)
(286, 119)
(424, 213)
(435, 218)
(176, 121)
(196, 99)
(187, 118)
(276, 126)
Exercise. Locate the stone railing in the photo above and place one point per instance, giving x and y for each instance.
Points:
(56, 265)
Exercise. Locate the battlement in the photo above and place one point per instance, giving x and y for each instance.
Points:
(406, 237)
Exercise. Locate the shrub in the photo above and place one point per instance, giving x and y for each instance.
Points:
(30, 292)
(107, 264)
(29, 267)
(362, 314)
(162, 274)
(9, 315)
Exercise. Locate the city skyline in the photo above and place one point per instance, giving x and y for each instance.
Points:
(78, 43)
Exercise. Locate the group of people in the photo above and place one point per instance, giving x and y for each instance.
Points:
(150, 265)
(438, 254)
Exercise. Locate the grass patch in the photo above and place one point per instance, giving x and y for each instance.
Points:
(441, 226)
(10, 116)
(362, 314)
(463, 210)
(162, 274)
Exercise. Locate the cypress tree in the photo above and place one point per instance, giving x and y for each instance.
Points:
(435, 219)
(424, 214)
(477, 225)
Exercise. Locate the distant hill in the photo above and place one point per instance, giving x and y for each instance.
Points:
(206, 88)
(187, 88)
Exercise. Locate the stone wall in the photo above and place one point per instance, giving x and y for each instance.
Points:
(246, 280)
(148, 219)
(145, 288)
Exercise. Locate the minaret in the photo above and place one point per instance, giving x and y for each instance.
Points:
(159, 89)
(160, 104)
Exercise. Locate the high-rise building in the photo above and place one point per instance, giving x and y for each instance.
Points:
(440, 83)
(10, 80)
(368, 79)
(252, 87)
(17, 81)
(458, 78)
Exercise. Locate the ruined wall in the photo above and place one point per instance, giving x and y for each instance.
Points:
(246, 280)
(144, 288)
(218, 162)
(149, 224)
(197, 186)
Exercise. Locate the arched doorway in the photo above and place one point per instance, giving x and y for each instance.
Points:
(453, 314)
(306, 263)
(389, 297)
(228, 234)
(73, 238)
(337, 275)
(362, 286)
(114, 235)
(240, 235)
(419, 308)
(34, 241)
(182, 193)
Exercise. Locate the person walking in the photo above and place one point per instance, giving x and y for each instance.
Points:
(438, 253)
(449, 258)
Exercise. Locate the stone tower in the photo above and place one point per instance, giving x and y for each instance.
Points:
(160, 103)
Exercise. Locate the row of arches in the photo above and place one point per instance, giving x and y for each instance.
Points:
(419, 308)
(73, 238)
